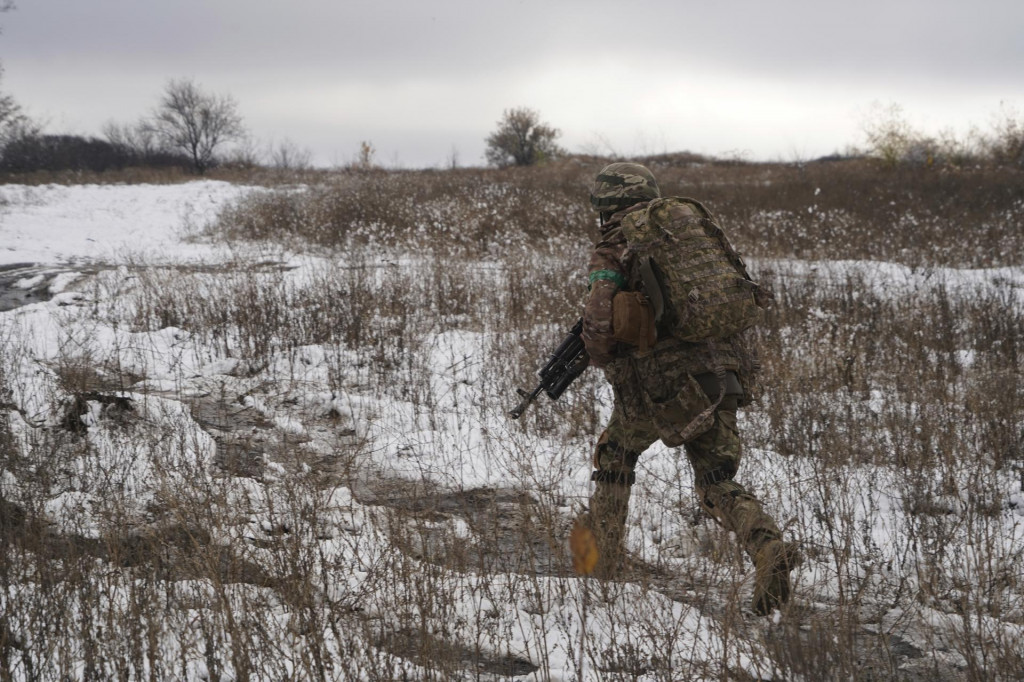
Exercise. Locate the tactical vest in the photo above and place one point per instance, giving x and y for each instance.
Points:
(697, 283)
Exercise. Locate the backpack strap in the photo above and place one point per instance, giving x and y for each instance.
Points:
(653, 286)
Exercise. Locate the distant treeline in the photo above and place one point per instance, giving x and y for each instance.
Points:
(195, 131)
(76, 153)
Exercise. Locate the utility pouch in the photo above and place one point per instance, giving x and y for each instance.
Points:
(633, 320)
(684, 416)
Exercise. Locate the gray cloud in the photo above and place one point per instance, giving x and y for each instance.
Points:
(392, 69)
(392, 39)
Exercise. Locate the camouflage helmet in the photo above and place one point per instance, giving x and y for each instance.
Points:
(620, 185)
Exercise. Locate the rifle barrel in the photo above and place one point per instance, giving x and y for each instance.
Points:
(528, 398)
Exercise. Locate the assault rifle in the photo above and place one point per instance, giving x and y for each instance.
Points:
(566, 363)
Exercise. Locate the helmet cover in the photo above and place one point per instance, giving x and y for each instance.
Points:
(620, 185)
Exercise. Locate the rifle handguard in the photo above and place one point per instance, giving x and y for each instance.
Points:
(568, 361)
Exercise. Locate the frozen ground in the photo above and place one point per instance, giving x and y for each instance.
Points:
(165, 412)
(65, 224)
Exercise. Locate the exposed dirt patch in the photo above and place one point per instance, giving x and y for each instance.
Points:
(424, 648)
(241, 433)
(117, 408)
(508, 530)
(812, 646)
(25, 283)
(173, 552)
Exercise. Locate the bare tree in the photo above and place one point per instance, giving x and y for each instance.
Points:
(10, 115)
(13, 121)
(138, 139)
(521, 139)
(364, 158)
(287, 155)
(14, 124)
(1006, 144)
(889, 135)
(196, 122)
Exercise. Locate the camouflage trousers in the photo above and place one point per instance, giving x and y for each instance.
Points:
(714, 456)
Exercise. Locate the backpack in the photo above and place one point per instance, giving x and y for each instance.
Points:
(697, 283)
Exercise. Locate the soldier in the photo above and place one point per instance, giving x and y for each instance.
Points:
(684, 392)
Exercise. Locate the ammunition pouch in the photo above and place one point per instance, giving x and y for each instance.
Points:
(712, 385)
(633, 320)
(685, 415)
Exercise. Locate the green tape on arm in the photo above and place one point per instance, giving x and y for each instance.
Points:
(609, 275)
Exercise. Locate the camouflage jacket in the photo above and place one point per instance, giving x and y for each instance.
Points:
(613, 267)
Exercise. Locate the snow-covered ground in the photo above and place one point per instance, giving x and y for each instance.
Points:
(326, 432)
(60, 224)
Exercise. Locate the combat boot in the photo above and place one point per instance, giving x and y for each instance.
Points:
(772, 564)
(609, 506)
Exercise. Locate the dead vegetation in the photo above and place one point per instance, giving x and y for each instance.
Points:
(889, 437)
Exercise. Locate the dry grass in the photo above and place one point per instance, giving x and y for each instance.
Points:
(888, 438)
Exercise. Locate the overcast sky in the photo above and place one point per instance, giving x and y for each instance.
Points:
(421, 80)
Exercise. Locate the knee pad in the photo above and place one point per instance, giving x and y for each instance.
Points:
(724, 493)
(613, 476)
(610, 456)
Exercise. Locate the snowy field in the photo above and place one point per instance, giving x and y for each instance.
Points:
(234, 461)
